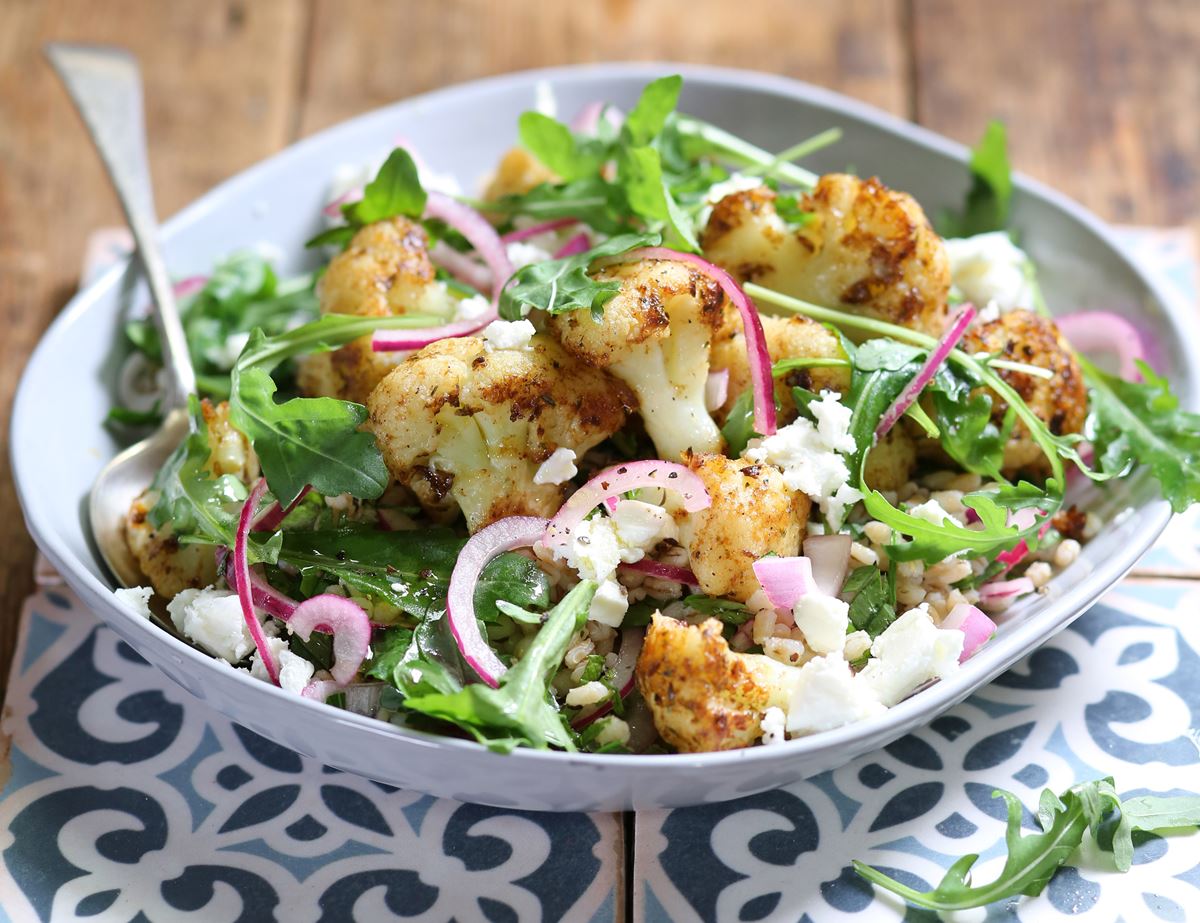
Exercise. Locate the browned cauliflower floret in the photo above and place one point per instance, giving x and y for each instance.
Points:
(702, 695)
(753, 513)
(167, 564)
(385, 271)
(464, 425)
(866, 248)
(655, 336)
(890, 463)
(517, 173)
(1060, 402)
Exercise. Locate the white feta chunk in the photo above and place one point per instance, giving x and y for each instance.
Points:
(823, 619)
(593, 549)
(508, 334)
(774, 726)
(213, 619)
(932, 512)
(557, 469)
(471, 308)
(521, 253)
(610, 604)
(909, 652)
(294, 671)
(136, 598)
(990, 269)
(641, 526)
(827, 695)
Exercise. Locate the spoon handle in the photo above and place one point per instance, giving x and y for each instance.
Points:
(106, 88)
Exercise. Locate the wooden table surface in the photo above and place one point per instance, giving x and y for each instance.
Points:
(1102, 98)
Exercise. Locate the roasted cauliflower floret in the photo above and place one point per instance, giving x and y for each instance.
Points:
(891, 461)
(702, 695)
(753, 513)
(655, 336)
(466, 426)
(167, 564)
(866, 248)
(385, 271)
(517, 173)
(1060, 402)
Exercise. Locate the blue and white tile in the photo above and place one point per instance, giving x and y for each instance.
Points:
(125, 796)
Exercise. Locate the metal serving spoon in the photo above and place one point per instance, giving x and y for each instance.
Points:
(106, 88)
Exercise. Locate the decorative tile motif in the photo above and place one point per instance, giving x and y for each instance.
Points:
(1116, 694)
(127, 796)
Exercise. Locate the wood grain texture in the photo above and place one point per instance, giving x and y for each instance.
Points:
(367, 53)
(221, 86)
(1102, 97)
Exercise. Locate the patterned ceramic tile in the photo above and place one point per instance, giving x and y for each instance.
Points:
(126, 796)
(1116, 694)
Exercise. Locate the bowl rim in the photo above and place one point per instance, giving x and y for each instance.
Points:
(988, 663)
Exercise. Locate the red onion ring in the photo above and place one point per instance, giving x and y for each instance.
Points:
(462, 266)
(1003, 589)
(761, 381)
(503, 535)
(275, 515)
(1022, 519)
(321, 689)
(618, 480)
(346, 621)
(1105, 332)
(662, 570)
(534, 230)
(241, 568)
(262, 593)
(577, 244)
(914, 388)
(623, 676)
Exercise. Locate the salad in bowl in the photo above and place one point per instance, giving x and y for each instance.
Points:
(659, 443)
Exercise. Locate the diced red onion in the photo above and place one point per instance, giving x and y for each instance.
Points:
(761, 382)
(623, 678)
(241, 568)
(534, 230)
(716, 390)
(346, 621)
(976, 627)
(662, 570)
(577, 244)
(829, 556)
(588, 118)
(321, 689)
(189, 286)
(620, 479)
(1023, 519)
(482, 547)
(1105, 332)
(334, 208)
(1005, 589)
(275, 515)
(914, 388)
(784, 580)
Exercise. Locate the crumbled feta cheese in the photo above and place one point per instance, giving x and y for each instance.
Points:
(641, 526)
(931, 511)
(508, 334)
(136, 598)
(471, 308)
(909, 652)
(588, 694)
(990, 268)
(213, 619)
(614, 730)
(593, 550)
(774, 726)
(610, 604)
(811, 458)
(989, 313)
(294, 671)
(557, 469)
(857, 644)
(521, 253)
(827, 695)
(823, 619)
(737, 182)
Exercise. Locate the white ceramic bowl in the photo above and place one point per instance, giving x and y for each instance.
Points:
(59, 443)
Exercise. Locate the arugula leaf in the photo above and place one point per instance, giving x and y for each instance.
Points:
(964, 416)
(872, 595)
(124, 416)
(1133, 423)
(554, 145)
(739, 425)
(388, 648)
(987, 204)
(564, 285)
(395, 190)
(728, 611)
(646, 119)
(641, 175)
(198, 507)
(522, 710)
(515, 580)
(787, 207)
(592, 200)
(1034, 858)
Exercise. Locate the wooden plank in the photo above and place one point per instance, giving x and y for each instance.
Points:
(222, 82)
(366, 54)
(1102, 97)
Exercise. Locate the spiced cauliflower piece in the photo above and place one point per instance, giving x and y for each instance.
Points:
(702, 695)
(168, 565)
(752, 514)
(865, 248)
(655, 336)
(1060, 401)
(466, 426)
(384, 272)
(517, 173)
